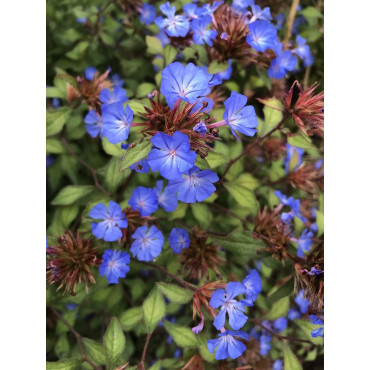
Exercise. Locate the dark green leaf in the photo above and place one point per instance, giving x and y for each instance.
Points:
(182, 335)
(56, 119)
(67, 364)
(71, 193)
(290, 360)
(94, 351)
(131, 317)
(135, 154)
(279, 308)
(300, 141)
(283, 291)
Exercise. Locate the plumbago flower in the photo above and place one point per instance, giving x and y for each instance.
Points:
(94, 123)
(174, 25)
(148, 243)
(227, 346)
(253, 286)
(179, 239)
(200, 34)
(171, 155)
(194, 186)
(115, 265)
(166, 200)
(118, 95)
(145, 200)
(319, 332)
(225, 300)
(147, 14)
(262, 35)
(113, 220)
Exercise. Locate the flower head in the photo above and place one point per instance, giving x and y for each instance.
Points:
(258, 13)
(302, 302)
(148, 243)
(145, 200)
(304, 242)
(118, 95)
(265, 344)
(117, 80)
(225, 300)
(175, 25)
(113, 220)
(227, 345)
(171, 155)
(262, 35)
(238, 116)
(195, 185)
(179, 239)
(201, 35)
(147, 14)
(279, 67)
(303, 51)
(165, 198)
(94, 123)
(193, 11)
(252, 287)
(90, 73)
(116, 122)
(278, 365)
(188, 83)
(115, 265)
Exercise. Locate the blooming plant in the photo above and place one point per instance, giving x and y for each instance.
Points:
(185, 185)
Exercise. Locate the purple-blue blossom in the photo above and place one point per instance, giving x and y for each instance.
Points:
(90, 73)
(319, 332)
(202, 35)
(166, 199)
(302, 302)
(118, 95)
(147, 14)
(293, 158)
(148, 243)
(227, 346)
(115, 265)
(179, 239)
(94, 123)
(262, 35)
(142, 166)
(252, 287)
(175, 25)
(304, 242)
(145, 200)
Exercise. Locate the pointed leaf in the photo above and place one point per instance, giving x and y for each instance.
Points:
(114, 342)
(135, 154)
(182, 335)
(175, 293)
(154, 309)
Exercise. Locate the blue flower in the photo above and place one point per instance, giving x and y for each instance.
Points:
(226, 74)
(141, 166)
(315, 271)
(201, 35)
(304, 242)
(265, 344)
(115, 265)
(179, 239)
(145, 200)
(94, 123)
(302, 302)
(258, 13)
(293, 153)
(279, 67)
(165, 198)
(117, 80)
(194, 12)
(252, 287)
(293, 314)
(148, 243)
(262, 35)
(175, 25)
(90, 73)
(227, 345)
(49, 160)
(228, 304)
(241, 5)
(294, 204)
(71, 306)
(280, 18)
(55, 103)
(238, 116)
(163, 38)
(194, 186)
(280, 324)
(147, 14)
(113, 220)
(200, 127)
(278, 365)
(118, 95)
(210, 9)
(319, 332)
(171, 155)
(116, 122)
(303, 51)
(188, 83)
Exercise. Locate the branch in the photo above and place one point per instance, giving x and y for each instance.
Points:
(142, 362)
(252, 145)
(278, 336)
(87, 166)
(184, 283)
(78, 338)
(290, 20)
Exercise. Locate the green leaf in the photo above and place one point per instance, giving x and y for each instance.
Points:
(112, 149)
(54, 146)
(279, 308)
(202, 163)
(154, 309)
(71, 193)
(290, 360)
(137, 106)
(283, 291)
(154, 45)
(216, 67)
(62, 346)
(114, 342)
(300, 141)
(131, 317)
(307, 329)
(247, 180)
(143, 90)
(54, 92)
(311, 12)
(273, 116)
(135, 154)
(70, 317)
(113, 176)
(67, 364)
(175, 293)
(183, 336)
(170, 53)
(320, 223)
(94, 351)
(68, 214)
(239, 242)
(67, 78)
(77, 52)
(215, 159)
(241, 194)
(202, 214)
(56, 119)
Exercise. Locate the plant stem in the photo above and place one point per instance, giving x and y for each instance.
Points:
(290, 20)
(142, 362)
(278, 336)
(184, 283)
(87, 166)
(78, 338)
(252, 145)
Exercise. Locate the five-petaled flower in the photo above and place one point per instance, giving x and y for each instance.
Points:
(262, 35)
(253, 286)
(166, 200)
(115, 265)
(148, 243)
(175, 25)
(113, 220)
(145, 200)
(94, 123)
(179, 239)
(227, 346)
